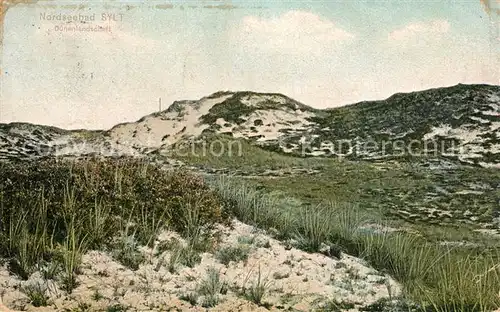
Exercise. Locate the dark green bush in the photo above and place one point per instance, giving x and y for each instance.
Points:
(42, 201)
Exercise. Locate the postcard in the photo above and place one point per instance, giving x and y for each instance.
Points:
(250, 155)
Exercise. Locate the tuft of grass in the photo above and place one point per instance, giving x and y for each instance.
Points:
(394, 304)
(315, 227)
(189, 256)
(28, 241)
(336, 306)
(99, 221)
(127, 251)
(191, 297)
(464, 283)
(212, 287)
(183, 255)
(37, 294)
(82, 307)
(117, 308)
(174, 260)
(246, 240)
(96, 295)
(256, 208)
(74, 244)
(233, 253)
(257, 290)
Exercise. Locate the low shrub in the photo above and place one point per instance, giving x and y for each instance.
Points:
(74, 206)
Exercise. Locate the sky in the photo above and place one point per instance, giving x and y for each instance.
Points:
(321, 53)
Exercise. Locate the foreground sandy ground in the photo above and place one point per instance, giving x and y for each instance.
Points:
(294, 280)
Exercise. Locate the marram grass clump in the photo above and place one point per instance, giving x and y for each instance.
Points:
(436, 277)
(54, 211)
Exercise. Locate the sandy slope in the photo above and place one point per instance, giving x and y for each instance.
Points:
(296, 280)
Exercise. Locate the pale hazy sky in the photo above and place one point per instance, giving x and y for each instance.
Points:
(322, 53)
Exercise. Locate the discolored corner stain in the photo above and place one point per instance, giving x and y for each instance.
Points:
(5, 5)
(491, 7)
(164, 6)
(221, 7)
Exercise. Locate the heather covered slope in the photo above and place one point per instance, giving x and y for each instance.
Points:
(464, 120)
(458, 123)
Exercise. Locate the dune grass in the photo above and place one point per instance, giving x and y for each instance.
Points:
(438, 278)
(443, 205)
(53, 212)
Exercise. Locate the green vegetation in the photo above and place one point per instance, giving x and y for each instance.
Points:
(53, 212)
(192, 298)
(426, 206)
(222, 151)
(384, 128)
(257, 289)
(37, 293)
(439, 278)
(116, 308)
(233, 110)
(441, 204)
(184, 255)
(233, 253)
(412, 113)
(212, 287)
(335, 306)
(89, 135)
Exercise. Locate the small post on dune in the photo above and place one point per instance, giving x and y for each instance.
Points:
(159, 100)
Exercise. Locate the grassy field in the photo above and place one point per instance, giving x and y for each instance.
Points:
(438, 278)
(443, 205)
(226, 152)
(429, 207)
(52, 212)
